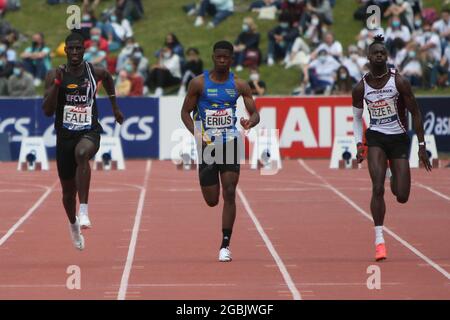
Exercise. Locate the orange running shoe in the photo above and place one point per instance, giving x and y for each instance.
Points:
(380, 252)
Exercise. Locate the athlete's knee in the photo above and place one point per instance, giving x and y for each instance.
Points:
(402, 198)
(212, 202)
(378, 190)
(82, 155)
(229, 193)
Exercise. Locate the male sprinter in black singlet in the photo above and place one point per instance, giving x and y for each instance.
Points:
(388, 96)
(213, 96)
(70, 94)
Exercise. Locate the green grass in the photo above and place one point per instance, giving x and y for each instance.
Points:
(163, 16)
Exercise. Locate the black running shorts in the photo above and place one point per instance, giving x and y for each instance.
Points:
(396, 146)
(209, 167)
(65, 153)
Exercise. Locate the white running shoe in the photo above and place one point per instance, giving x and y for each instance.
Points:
(225, 255)
(85, 223)
(199, 21)
(77, 237)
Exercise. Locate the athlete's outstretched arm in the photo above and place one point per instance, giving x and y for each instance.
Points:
(358, 108)
(404, 88)
(108, 82)
(190, 102)
(246, 93)
(52, 83)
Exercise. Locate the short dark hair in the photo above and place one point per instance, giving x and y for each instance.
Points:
(75, 36)
(378, 39)
(226, 45)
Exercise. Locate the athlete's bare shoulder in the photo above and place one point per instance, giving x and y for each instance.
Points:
(358, 95)
(197, 83)
(241, 85)
(402, 84)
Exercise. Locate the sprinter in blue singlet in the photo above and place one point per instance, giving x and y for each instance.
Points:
(212, 97)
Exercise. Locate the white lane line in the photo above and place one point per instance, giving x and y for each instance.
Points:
(132, 247)
(432, 191)
(30, 211)
(284, 272)
(368, 216)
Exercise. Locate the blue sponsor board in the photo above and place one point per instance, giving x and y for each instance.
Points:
(436, 120)
(139, 132)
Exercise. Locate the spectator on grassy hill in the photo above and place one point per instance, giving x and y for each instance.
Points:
(404, 10)
(431, 54)
(6, 69)
(192, 68)
(354, 62)
(442, 27)
(173, 43)
(123, 84)
(295, 10)
(332, 46)
(95, 55)
(116, 30)
(36, 58)
(165, 73)
(320, 75)
(88, 22)
(259, 4)
(257, 86)
(95, 35)
(411, 67)
(281, 39)
(137, 82)
(300, 54)
(344, 82)
(246, 46)
(218, 9)
(396, 30)
(20, 83)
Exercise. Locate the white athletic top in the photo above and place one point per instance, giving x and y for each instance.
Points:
(387, 111)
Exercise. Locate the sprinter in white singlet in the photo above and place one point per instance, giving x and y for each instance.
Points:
(388, 97)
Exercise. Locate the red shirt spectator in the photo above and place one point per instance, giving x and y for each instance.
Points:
(137, 85)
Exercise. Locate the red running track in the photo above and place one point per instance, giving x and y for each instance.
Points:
(302, 233)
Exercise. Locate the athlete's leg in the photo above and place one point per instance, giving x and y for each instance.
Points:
(401, 179)
(377, 162)
(84, 151)
(69, 190)
(229, 183)
(211, 194)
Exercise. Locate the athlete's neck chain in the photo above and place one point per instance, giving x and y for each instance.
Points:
(379, 77)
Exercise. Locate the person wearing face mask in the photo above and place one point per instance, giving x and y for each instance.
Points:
(20, 83)
(354, 63)
(295, 10)
(192, 68)
(404, 10)
(96, 56)
(319, 76)
(6, 69)
(36, 58)
(88, 21)
(430, 49)
(166, 73)
(117, 29)
(418, 23)
(137, 82)
(126, 52)
(344, 83)
(247, 44)
(257, 86)
(411, 67)
(394, 31)
(281, 39)
(138, 58)
(123, 84)
(442, 27)
(95, 35)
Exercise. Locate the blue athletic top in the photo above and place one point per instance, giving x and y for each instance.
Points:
(216, 110)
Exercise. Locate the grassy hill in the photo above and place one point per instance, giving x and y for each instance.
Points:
(163, 16)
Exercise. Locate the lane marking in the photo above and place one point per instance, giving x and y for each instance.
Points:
(132, 247)
(30, 211)
(432, 191)
(284, 272)
(368, 216)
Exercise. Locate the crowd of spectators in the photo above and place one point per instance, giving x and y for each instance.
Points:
(302, 37)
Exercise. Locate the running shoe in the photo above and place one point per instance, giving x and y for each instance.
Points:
(77, 237)
(380, 252)
(85, 223)
(225, 255)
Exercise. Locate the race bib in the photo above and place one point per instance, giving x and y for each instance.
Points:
(219, 119)
(77, 118)
(382, 112)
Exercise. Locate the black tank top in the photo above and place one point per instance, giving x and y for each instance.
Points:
(76, 112)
